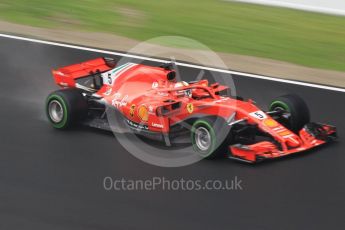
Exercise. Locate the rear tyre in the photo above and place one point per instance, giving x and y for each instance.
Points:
(65, 108)
(296, 109)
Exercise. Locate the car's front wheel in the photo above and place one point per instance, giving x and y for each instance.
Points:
(295, 112)
(205, 139)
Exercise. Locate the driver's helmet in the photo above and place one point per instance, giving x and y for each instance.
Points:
(181, 84)
(185, 92)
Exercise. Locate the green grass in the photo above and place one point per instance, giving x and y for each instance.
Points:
(309, 39)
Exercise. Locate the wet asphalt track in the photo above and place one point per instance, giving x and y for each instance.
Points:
(53, 180)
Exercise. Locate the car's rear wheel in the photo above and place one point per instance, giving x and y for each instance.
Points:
(65, 107)
(295, 112)
(56, 111)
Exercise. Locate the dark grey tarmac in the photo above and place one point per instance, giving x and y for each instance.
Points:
(51, 179)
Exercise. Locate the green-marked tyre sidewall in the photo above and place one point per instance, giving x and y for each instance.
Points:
(279, 104)
(298, 109)
(62, 124)
(209, 127)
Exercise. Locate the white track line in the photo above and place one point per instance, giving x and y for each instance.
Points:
(178, 63)
(332, 7)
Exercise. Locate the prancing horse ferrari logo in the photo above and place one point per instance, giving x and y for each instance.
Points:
(190, 108)
(131, 110)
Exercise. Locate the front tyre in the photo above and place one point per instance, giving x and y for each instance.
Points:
(65, 107)
(295, 111)
(203, 138)
(210, 137)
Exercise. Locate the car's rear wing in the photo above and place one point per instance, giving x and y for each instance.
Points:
(67, 75)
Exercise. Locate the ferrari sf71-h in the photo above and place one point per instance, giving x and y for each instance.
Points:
(151, 102)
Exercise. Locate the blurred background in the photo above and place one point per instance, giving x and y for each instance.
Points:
(258, 38)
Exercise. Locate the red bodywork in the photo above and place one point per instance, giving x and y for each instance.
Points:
(145, 96)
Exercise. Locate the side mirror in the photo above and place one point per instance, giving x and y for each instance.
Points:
(171, 75)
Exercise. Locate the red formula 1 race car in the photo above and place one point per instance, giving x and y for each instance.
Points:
(151, 102)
